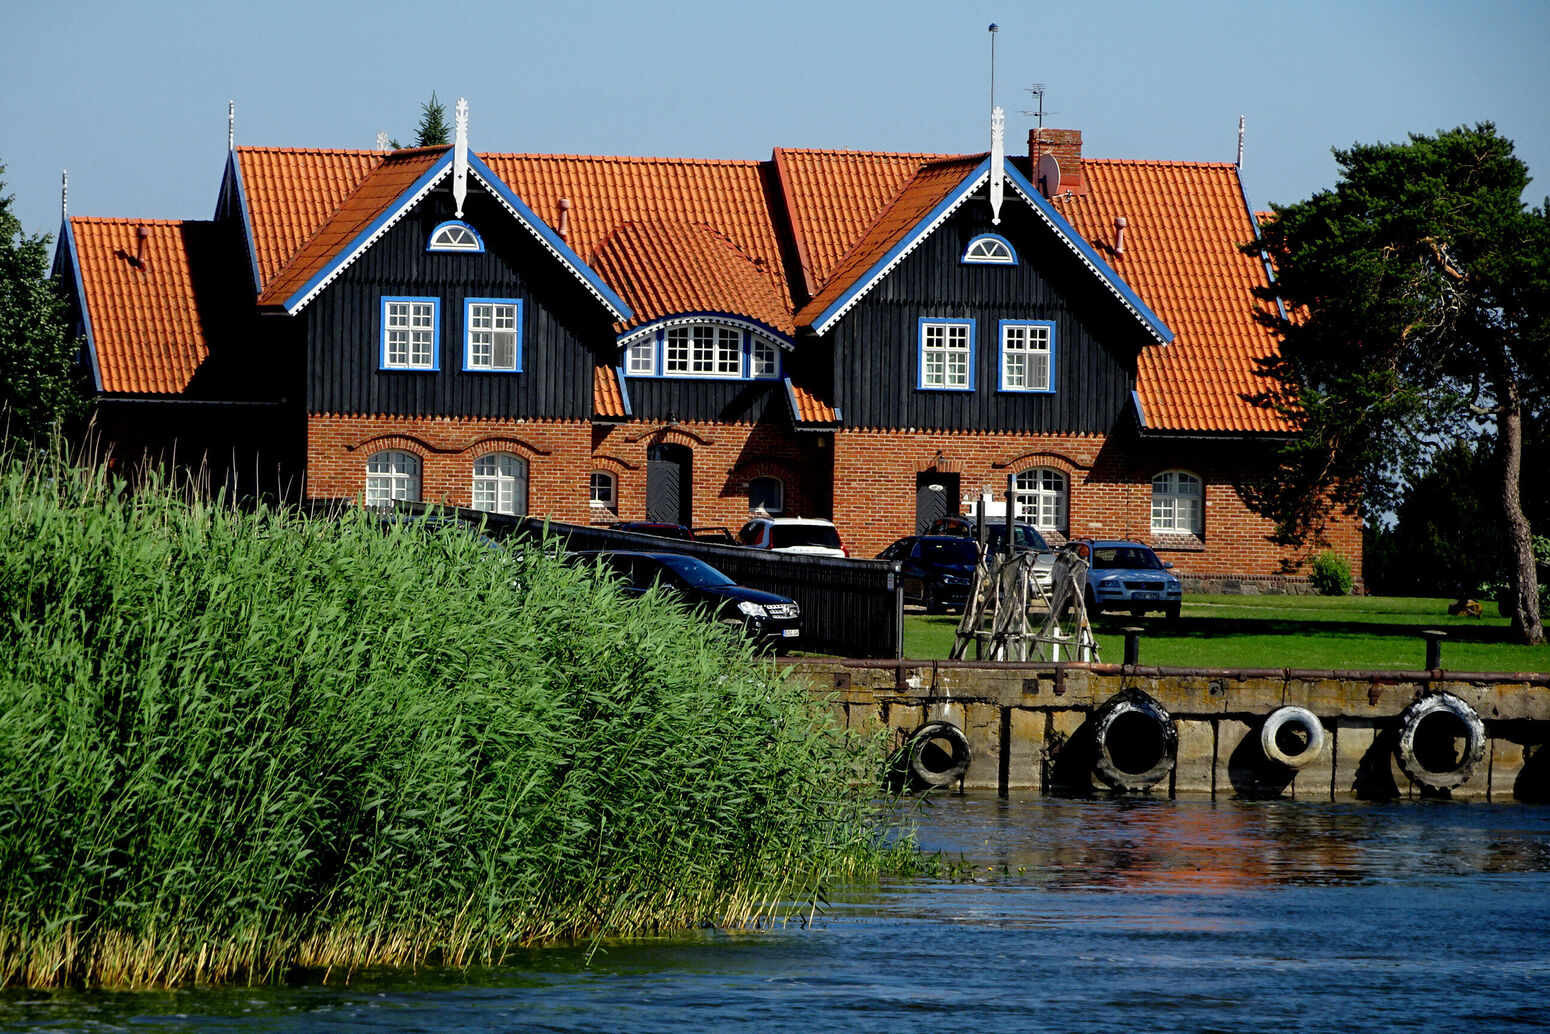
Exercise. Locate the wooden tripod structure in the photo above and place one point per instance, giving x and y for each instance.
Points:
(1014, 615)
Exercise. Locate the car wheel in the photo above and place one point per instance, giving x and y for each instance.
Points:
(929, 599)
(1171, 612)
(1093, 610)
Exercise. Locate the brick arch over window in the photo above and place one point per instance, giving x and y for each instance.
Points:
(406, 442)
(1042, 458)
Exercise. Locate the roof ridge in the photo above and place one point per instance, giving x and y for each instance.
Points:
(627, 158)
(250, 148)
(116, 220)
(863, 153)
(1158, 161)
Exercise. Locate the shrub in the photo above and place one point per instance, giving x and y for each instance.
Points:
(236, 743)
(1331, 575)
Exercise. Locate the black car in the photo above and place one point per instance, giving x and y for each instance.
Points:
(765, 618)
(1024, 535)
(935, 570)
(656, 528)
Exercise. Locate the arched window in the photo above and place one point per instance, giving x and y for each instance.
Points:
(604, 491)
(990, 249)
(454, 236)
(1041, 498)
(392, 476)
(500, 483)
(1176, 502)
(767, 494)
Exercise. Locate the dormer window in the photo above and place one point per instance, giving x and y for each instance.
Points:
(704, 351)
(454, 235)
(988, 249)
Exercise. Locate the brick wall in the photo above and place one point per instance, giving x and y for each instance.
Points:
(1109, 479)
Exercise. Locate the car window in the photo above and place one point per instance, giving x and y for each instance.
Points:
(1134, 557)
(749, 536)
(957, 551)
(695, 572)
(783, 536)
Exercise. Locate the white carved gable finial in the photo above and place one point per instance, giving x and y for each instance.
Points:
(997, 162)
(460, 157)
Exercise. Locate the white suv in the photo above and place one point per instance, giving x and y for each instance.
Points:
(810, 535)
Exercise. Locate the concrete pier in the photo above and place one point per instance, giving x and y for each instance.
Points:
(1050, 727)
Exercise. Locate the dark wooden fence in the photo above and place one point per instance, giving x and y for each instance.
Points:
(852, 608)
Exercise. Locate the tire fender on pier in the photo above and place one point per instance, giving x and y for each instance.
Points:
(939, 754)
(1292, 736)
(1136, 742)
(1441, 741)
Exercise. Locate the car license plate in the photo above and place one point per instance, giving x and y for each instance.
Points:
(791, 633)
(1143, 595)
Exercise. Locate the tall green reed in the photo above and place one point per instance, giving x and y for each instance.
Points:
(236, 743)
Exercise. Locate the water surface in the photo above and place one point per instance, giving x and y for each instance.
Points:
(1082, 915)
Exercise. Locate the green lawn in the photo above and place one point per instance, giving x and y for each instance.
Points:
(1346, 632)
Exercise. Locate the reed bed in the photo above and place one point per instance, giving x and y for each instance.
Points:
(238, 744)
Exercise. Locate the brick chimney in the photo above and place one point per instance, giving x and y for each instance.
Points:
(1066, 146)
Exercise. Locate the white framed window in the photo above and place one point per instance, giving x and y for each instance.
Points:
(702, 350)
(1177, 496)
(991, 250)
(410, 329)
(1040, 496)
(1027, 355)
(604, 491)
(641, 358)
(392, 476)
(500, 483)
(946, 354)
(453, 235)
(764, 359)
(492, 333)
(767, 494)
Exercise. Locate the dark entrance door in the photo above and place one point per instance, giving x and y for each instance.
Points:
(936, 495)
(669, 484)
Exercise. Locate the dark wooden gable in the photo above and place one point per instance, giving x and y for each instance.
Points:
(564, 331)
(876, 345)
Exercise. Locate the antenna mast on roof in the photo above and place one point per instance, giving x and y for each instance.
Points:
(231, 125)
(64, 194)
(1240, 143)
(994, 29)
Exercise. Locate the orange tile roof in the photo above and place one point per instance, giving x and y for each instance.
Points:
(290, 192)
(607, 396)
(661, 269)
(808, 408)
(372, 197)
(1185, 222)
(145, 322)
(607, 192)
(930, 185)
(834, 196)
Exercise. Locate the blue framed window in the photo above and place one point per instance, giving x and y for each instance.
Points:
(946, 355)
(411, 333)
(1027, 355)
(454, 235)
(492, 335)
(990, 249)
(703, 351)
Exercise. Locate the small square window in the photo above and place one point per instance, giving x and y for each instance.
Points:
(946, 354)
(493, 334)
(1027, 355)
(410, 328)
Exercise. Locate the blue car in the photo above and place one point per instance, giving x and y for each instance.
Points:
(934, 570)
(1128, 576)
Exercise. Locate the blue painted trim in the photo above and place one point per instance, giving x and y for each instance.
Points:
(620, 310)
(1001, 356)
(743, 325)
(383, 218)
(1135, 398)
(435, 334)
(468, 344)
(920, 352)
(67, 235)
(430, 246)
(966, 260)
(864, 282)
(729, 319)
(1158, 328)
(235, 171)
(624, 394)
(1264, 256)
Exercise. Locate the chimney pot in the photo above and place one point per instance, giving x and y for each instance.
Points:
(564, 228)
(1120, 223)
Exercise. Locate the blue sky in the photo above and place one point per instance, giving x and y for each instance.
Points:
(131, 97)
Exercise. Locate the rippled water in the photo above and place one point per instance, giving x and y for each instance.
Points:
(1084, 915)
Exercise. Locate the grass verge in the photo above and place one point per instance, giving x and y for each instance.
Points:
(237, 744)
(1331, 632)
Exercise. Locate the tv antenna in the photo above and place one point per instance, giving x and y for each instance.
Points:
(1037, 89)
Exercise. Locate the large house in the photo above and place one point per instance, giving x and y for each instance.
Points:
(878, 338)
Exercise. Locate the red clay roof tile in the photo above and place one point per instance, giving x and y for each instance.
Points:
(291, 192)
(810, 409)
(607, 397)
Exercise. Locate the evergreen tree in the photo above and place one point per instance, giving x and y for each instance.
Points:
(433, 130)
(41, 394)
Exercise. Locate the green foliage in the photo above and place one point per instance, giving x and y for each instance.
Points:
(1330, 575)
(1445, 538)
(40, 389)
(433, 130)
(235, 743)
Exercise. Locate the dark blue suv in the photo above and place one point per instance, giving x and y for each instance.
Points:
(1128, 576)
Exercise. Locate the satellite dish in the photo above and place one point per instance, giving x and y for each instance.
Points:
(1049, 175)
